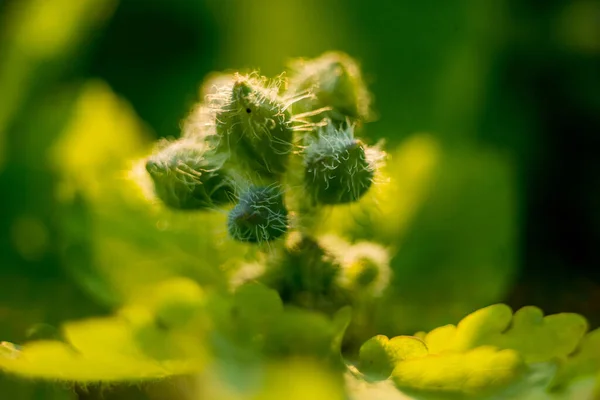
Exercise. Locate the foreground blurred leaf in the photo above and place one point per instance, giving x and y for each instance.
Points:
(490, 353)
(535, 337)
(127, 347)
(584, 362)
(473, 372)
(299, 380)
(379, 355)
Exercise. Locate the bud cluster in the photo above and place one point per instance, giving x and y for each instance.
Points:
(255, 146)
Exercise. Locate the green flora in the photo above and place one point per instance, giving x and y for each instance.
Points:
(271, 179)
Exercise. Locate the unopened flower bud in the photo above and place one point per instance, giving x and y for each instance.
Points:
(253, 126)
(188, 176)
(304, 273)
(338, 167)
(260, 215)
(335, 81)
(365, 269)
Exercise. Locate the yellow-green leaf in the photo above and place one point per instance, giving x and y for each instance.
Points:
(584, 362)
(379, 355)
(54, 360)
(535, 337)
(133, 345)
(474, 372)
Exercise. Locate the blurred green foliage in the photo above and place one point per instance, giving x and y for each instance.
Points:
(86, 87)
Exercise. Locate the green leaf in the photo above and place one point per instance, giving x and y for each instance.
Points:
(242, 320)
(256, 304)
(300, 333)
(379, 355)
(341, 321)
(299, 379)
(490, 352)
(535, 337)
(130, 346)
(535, 384)
(471, 373)
(584, 362)
(51, 360)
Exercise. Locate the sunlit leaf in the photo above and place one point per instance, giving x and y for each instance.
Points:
(476, 371)
(535, 337)
(584, 362)
(58, 361)
(299, 380)
(132, 345)
(380, 355)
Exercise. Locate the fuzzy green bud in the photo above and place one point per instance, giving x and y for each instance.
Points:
(253, 126)
(304, 273)
(188, 176)
(338, 167)
(335, 81)
(365, 269)
(260, 215)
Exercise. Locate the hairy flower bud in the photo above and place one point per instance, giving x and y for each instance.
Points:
(365, 268)
(335, 80)
(253, 126)
(188, 176)
(260, 215)
(338, 168)
(304, 273)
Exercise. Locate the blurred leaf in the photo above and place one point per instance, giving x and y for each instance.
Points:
(584, 362)
(52, 360)
(256, 305)
(535, 337)
(473, 372)
(299, 380)
(241, 321)
(489, 353)
(300, 333)
(341, 321)
(379, 355)
(175, 302)
(130, 346)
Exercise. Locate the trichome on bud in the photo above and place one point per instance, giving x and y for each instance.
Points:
(253, 125)
(259, 216)
(189, 176)
(338, 167)
(336, 83)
